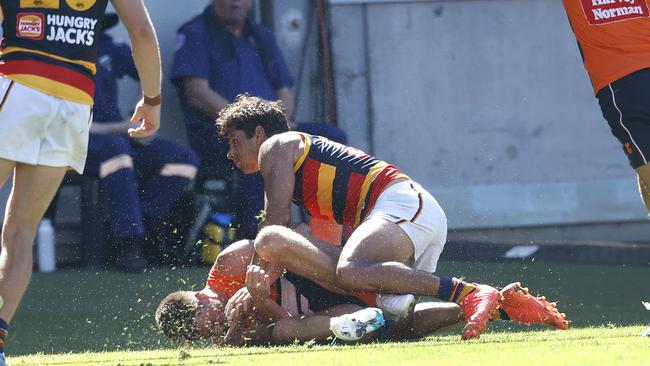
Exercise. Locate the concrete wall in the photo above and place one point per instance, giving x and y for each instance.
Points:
(487, 104)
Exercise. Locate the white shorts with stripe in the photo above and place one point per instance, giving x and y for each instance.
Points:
(39, 129)
(415, 210)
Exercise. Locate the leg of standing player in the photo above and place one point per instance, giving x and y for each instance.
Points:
(33, 190)
(643, 179)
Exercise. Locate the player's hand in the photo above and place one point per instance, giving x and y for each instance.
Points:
(258, 284)
(234, 335)
(149, 118)
(238, 305)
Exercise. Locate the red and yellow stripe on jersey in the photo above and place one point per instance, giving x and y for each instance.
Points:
(51, 45)
(334, 181)
(49, 76)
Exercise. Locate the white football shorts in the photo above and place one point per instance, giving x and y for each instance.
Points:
(415, 210)
(39, 129)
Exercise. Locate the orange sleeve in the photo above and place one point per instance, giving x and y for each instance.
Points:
(226, 284)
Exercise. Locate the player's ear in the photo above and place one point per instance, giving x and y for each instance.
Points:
(260, 133)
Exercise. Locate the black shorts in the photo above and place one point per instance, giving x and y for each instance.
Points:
(625, 104)
(317, 298)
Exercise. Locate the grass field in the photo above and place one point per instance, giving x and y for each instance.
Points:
(585, 346)
(73, 311)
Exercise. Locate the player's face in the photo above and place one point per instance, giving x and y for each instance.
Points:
(211, 321)
(232, 12)
(243, 151)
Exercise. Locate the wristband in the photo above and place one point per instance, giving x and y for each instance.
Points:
(153, 101)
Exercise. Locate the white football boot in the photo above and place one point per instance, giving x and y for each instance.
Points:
(396, 307)
(351, 327)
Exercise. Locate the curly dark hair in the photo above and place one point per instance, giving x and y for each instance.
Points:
(176, 316)
(247, 112)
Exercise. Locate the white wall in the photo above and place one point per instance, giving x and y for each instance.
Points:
(487, 104)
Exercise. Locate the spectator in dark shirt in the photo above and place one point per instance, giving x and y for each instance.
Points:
(140, 178)
(220, 54)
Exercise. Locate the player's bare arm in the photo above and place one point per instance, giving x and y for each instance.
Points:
(258, 284)
(146, 55)
(235, 258)
(276, 158)
(201, 96)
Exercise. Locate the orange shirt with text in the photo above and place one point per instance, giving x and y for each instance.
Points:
(614, 37)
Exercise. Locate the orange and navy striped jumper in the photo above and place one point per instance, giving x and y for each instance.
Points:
(51, 45)
(339, 182)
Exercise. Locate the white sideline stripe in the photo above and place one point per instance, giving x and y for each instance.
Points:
(182, 170)
(112, 165)
(622, 125)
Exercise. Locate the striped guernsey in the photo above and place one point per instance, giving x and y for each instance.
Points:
(51, 45)
(339, 182)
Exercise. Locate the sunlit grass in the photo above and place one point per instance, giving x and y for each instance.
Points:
(78, 311)
(585, 346)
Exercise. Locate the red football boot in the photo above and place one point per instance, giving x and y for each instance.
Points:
(525, 308)
(479, 306)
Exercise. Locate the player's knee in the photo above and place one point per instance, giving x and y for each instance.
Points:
(347, 274)
(18, 234)
(270, 241)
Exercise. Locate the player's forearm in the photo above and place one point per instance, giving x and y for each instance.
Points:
(270, 311)
(274, 272)
(314, 327)
(146, 55)
(206, 100)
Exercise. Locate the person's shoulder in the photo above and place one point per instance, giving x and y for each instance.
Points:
(193, 26)
(262, 29)
(284, 139)
(281, 143)
(262, 32)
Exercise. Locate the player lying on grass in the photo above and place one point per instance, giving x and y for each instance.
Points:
(291, 309)
(296, 309)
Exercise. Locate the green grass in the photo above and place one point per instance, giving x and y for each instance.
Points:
(77, 311)
(585, 346)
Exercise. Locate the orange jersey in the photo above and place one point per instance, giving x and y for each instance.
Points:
(229, 284)
(220, 282)
(613, 35)
(339, 182)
